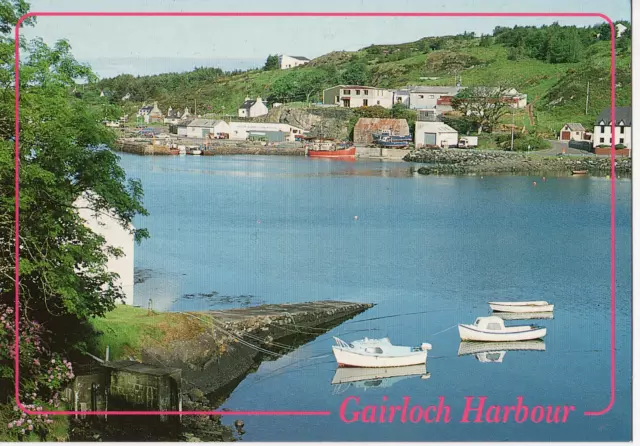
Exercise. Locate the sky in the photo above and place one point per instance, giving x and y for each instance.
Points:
(151, 45)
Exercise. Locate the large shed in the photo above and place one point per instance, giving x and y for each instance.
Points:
(435, 134)
(366, 127)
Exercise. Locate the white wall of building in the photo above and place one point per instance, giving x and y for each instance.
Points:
(115, 235)
(290, 62)
(602, 135)
(213, 127)
(239, 130)
(358, 96)
(443, 134)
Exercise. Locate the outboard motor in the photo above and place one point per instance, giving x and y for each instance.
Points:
(425, 346)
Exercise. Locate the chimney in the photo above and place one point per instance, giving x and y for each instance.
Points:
(247, 98)
(259, 99)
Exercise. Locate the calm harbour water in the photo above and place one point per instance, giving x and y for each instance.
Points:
(430, 252)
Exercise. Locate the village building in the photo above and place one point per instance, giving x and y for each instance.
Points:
(435, 134)
(603, 126)
(252, 108)
(203, 128)
(108, 226)
(180, 128)
(423, 97)
(286, 62)
(574, 132)
(266, 131)
(366, 127)
(353, 96)
(172, 116)
(150, 113)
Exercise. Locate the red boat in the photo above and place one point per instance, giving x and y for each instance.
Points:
(329, 149)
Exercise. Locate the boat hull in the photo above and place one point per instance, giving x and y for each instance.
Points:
(352, 359)
(527, 308)
(340, 153)
(471, 333)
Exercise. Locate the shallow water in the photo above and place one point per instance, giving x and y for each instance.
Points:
(430, 252)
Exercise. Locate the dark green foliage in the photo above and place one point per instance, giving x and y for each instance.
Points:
(521, 143)
(271, 63)
(485, 40)
(356, 73)
(298, 85)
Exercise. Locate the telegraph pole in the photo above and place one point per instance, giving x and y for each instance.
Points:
(586, 109)
(513, 124)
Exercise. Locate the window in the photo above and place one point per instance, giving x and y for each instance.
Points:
(349, 92)
(421, 96)
(621, 140)
(621, 130)
(378, 102)
(337, 99)
(365, 92)
(601, 129)
(357, 92)
(365, 102)
(601, 139)
(609, 140)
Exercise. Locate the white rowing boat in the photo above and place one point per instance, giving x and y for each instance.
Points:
(492, 329)
(537, 306)
(523, 316)
(378, 353)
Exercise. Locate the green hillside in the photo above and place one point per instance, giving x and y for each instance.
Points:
(552, 65)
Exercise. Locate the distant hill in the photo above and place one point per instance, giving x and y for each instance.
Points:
(551, 64)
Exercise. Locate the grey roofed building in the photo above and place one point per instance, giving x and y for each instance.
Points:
(575, 127)
(299, 57)
(204, 122)
(248, 104)
(431, 89)
(623, 114)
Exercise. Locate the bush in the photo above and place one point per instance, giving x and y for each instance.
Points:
(620, 146)
(522, 143)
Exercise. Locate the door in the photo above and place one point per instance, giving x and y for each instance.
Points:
(205, 132)
(565, 136)
(346, 102)
(430, 139)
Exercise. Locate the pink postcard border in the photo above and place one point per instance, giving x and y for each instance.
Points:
(291, 14)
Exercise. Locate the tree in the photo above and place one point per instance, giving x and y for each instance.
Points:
(482, 107)
(485, 40)
(64, 154)
(356, 73)
(272, 63)
(298, 85)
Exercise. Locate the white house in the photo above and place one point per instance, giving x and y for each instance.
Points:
(602, 128)
(272, 132)
(201, 128)
(573, 131)
(353, 96)
(291, 61)
(106, 225)
(435, 134)
(620, 29)
(252, 108)
(423, 97)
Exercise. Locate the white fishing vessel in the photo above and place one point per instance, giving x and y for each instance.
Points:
(522, 307)
(492, 329)
(195, 150)
(378, 353)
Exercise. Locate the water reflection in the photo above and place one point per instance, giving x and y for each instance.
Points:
(368, 378)
(496, 351)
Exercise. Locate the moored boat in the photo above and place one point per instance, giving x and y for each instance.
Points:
(537, 306)
(579, 172)
(492, 329)
(330, 149)
(378, 353)
(523, 316)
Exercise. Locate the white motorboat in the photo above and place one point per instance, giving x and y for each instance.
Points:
(492, 329)
(375, 378)
(195, 150)
(378, 353)
(536, 306)
(523, 316)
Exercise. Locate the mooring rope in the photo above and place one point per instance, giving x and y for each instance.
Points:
(401, 314)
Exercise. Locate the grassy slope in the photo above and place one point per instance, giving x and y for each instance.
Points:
(126, 329)
(542, 82)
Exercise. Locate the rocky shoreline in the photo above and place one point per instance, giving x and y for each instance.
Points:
(460, 161)
(225, 148)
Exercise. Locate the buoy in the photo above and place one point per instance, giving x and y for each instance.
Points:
(355, 218)
(534, 183)
(259, 221)
(608, 177)
(544, 179)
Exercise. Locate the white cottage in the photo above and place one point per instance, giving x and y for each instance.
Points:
(252, 108)
(573, 131)
(435, 134)
(603, 125)
(291, 61)
(107, 226)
